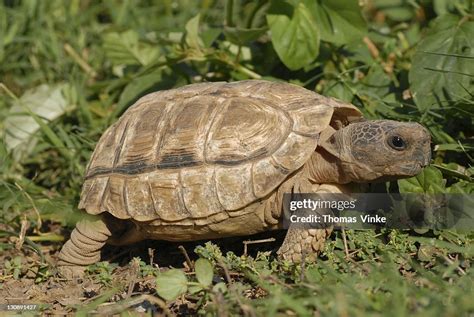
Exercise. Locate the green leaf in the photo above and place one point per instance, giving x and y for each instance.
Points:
(204, 271)
(338, 89)
(84, 310)
(137, 86)
(453, 147)
(192, 33)
(443, 65)
(359, 52)
(209, 36)
(241, 36)
(445, 6)
(171, 284)
(462, 187)
(126, 49)
(430, 180)
(46, 103)
(193, 289)
(397, 10)
(294, 33)
(220, 287)
(454, 170)
(376, 82)
(340, 21)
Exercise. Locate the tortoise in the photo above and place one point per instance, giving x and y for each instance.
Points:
(213, 160)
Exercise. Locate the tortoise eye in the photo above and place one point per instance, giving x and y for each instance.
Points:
(396, 142)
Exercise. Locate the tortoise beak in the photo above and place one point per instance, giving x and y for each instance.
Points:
(424, 153)
(424, 158)
(427, 160)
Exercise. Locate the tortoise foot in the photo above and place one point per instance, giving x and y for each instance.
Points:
(71, 271)
(303, 243)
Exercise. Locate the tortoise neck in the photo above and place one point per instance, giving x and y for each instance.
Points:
(325, 168)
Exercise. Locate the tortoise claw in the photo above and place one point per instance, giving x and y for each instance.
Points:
(71, 271)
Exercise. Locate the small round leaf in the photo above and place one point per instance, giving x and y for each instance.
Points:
(171, 284)
(204, 271)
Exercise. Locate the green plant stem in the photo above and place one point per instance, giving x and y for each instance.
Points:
(46, 237)
(238, 67)
(79, 60)
(229, 8)
(8, 91)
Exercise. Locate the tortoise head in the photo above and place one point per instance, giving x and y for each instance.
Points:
(378, 150)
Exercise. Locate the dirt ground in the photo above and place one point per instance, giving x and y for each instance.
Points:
(42, 284)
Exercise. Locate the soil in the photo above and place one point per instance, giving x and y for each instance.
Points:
(40, 283)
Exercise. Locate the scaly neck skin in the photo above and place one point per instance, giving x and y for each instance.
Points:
(333, 163)
(325, 165)
(322, 167)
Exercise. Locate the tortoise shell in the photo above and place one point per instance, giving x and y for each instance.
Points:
(205, 149)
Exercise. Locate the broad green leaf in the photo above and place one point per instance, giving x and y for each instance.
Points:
(443, 65)
(192, 33)
(374, 89)
(171, 284)
(442, 6)
(46, 102)
(126, 49)
(359, 52)
(209, 36)
(340, 90)
(204, 271)
(340, 21)
(376, 82)
(241, 36)
(294, 33)
(430, 180)
(137, 86)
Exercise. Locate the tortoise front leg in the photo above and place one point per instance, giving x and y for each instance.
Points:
(301, 242)
(87, 239)
(302, 239)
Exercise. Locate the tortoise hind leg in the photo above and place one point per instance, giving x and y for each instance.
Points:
(83, 248)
